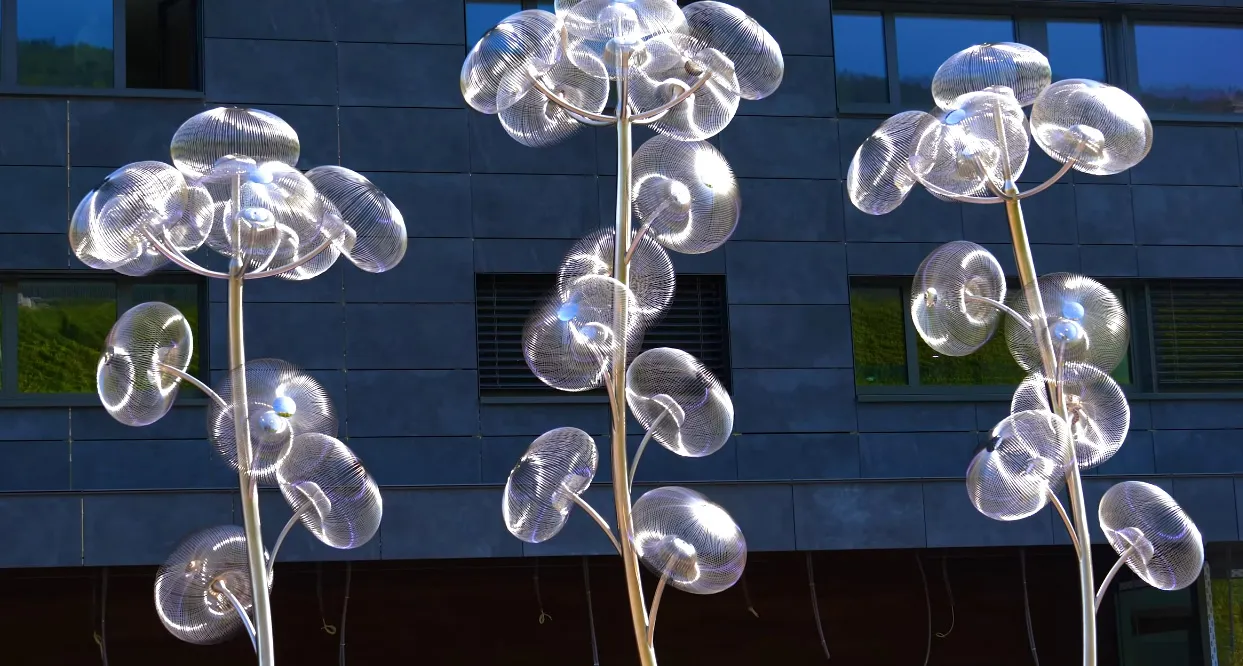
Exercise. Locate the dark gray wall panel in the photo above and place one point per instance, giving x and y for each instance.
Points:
(447, 523)
(50, 527)
(269, 71)
(144, 528)
(782, 457)
(859, 515)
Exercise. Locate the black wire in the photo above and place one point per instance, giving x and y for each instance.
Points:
(923, 577)
(815, 606)
(345, 606)
(746, 595)
(949, 594)
(103, 620)
(1027, 610)
(591, 617)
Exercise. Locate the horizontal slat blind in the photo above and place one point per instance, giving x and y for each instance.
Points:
(1198, 335)
(696, 322)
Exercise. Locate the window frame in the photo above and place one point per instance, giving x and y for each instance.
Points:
(9, 56)
(1136, 300)
(1117, 32)
(9, 371)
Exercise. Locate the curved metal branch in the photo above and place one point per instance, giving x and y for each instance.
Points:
(655, 114)
(634, 464)
(580, 114)
(300, 261)
(651, 621)
(241, 612)
(194, 381)
(960, 198)
(180, 259)
(595, 515)
(1000, 306)
(1070, 527)
(1066, 167)
(1109, 577)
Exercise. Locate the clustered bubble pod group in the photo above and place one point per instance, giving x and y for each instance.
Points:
(683, 72)
(234, 188)
(972, 148)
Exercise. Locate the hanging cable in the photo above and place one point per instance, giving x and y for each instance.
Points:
(345, 607)
(923, 577)
(539, 598)
(591, 616)
(1027, 610)
(319, 596)
(746, 595)
(949, 594)
(815, 606)
(101, 637)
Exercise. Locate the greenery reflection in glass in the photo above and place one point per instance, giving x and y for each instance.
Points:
(61, 327)
(990, 365)
(879, 333)
(1228, 619)
(65, 43)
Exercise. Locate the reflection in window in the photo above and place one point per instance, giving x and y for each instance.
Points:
(879, 335)
(859, 42)
(184, 297)
(1077, 49)
(924, 42)
(64, 43)
(990, 365)
(482, 15)
(1189, 68)
(61, 327)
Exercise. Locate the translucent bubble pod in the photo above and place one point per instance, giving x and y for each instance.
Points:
(568, 341)
(134, 377)
(1099, 126)
(1083, 317)
(1096, 409)
(115, 224)
(666, 66)
(974, 146)
(497, 68)
(689, 540)
(1013, 475)
(211, 135)
(282, 402)
(686, 195)
(193, 586)
(557, 468)
(1018, 67)
(1157, 539)
(651, 272)
(756, 56)
(376, 240)
(625, 21)
(533, 120)
(679, 401)
(329, 489)
(879, 177)
(953, 296)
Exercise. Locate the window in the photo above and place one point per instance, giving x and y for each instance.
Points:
(1189, 68)
(859, 44)
(924, 42)
(1197, 331)
(102, 44)
(696, 322)
(482, 15)
(1076, 49)
(54, 329)
(888, 352)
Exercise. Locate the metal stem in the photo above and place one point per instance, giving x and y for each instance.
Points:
(960, 198)
(178, 258)
(280, 539)
(621, 272)
(634, 465)
(1074, 482)
(651, 628)
(595, 515)
(1066, 167)
(1001, 306)
(237, 607)
(195, 381)
(248, 486)
(1061, 511)
(1109, 577)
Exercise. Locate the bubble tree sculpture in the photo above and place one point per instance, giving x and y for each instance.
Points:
(1068, 331)
(233, 187)
(682, 72)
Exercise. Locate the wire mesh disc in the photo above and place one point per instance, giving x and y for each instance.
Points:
(756, 55)
(651, 272)
(683, 535)
(1016, 66)
(1097, 410)
(1084, 318)
(377, 238)
(1102, 127)
(280, 218)
(535, 121)
(500, 59)
(327, 486)
(679, 401)
(962, 150)
(686, 194)
(666, 66)
(332, 227)
(108, 230)
(130, 379)
(188, 599)
(569, 340)
(879, 178)
(283, 402)
(215, 133)
(1168, 549)
(624, 20)
(1024, 460)
(557, 467)
(948, 305)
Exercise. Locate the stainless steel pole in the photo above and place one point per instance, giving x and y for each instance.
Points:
(241, 428)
